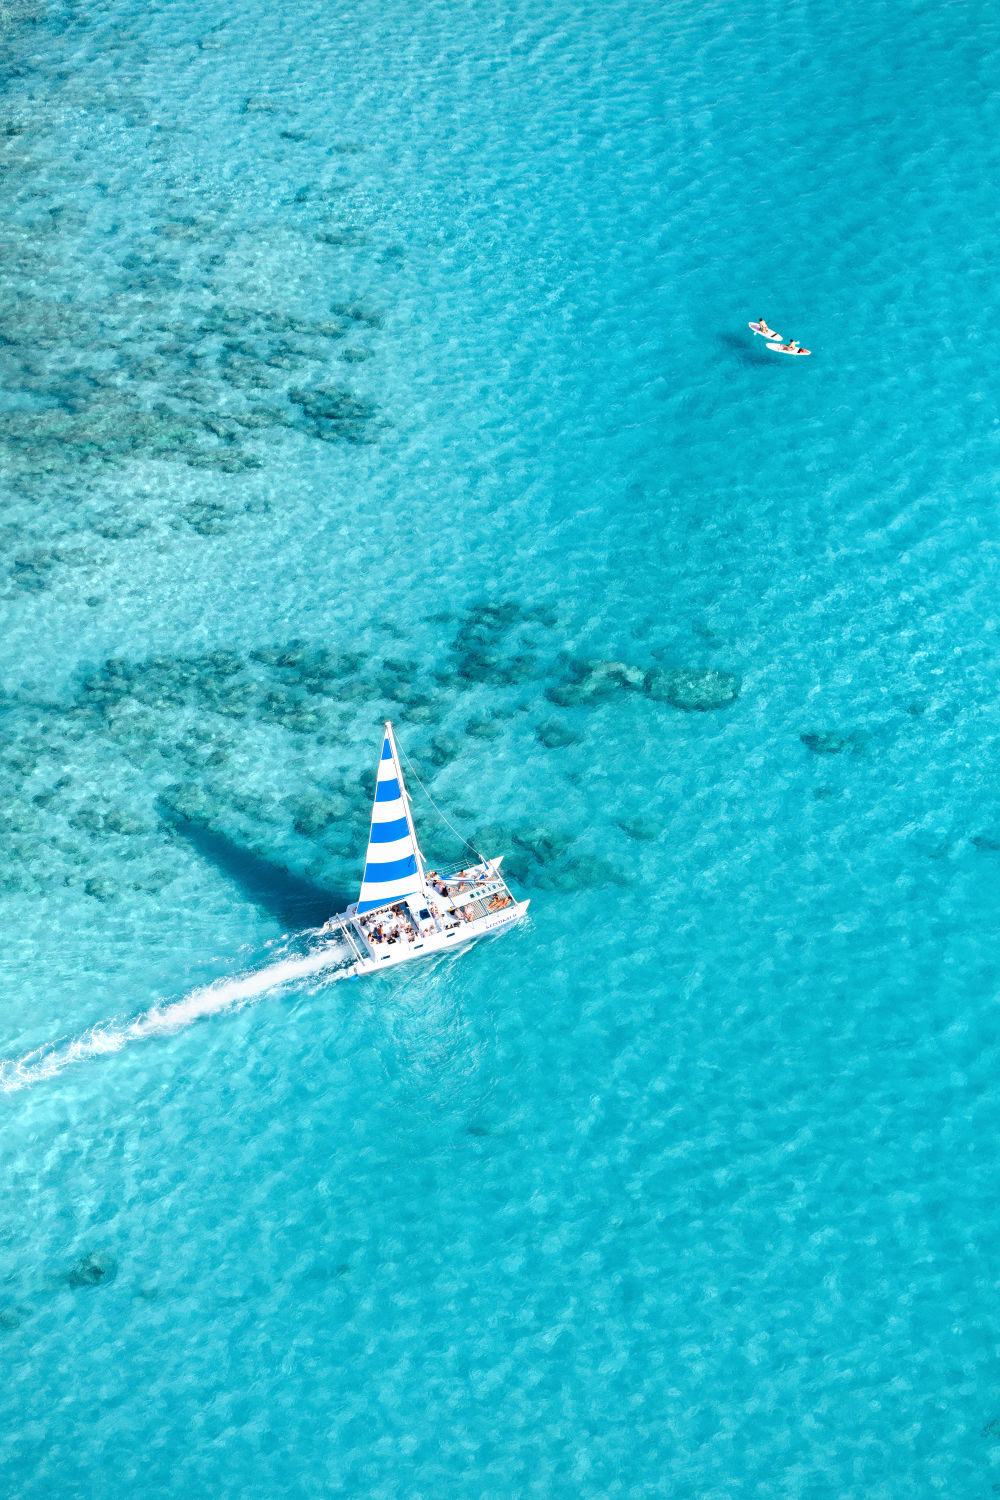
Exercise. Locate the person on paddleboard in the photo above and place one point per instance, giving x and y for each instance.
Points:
(762, 324)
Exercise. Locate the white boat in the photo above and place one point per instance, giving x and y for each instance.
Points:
(404, 910)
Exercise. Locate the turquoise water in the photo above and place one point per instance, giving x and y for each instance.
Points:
(366, 362)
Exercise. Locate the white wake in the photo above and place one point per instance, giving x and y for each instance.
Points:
(160, 1020)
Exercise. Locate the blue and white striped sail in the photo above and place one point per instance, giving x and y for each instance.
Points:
(392, 863)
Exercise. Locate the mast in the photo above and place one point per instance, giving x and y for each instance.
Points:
(406, 800)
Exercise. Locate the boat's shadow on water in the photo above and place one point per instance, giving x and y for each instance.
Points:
(291, 899)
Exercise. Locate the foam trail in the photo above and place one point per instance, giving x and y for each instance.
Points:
(161, 1020)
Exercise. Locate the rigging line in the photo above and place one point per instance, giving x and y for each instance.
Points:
(433, 804)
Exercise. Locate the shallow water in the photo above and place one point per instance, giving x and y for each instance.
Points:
(363, 363)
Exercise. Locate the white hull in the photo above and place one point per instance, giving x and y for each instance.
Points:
(370, 958)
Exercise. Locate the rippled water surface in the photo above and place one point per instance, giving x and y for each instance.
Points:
(392, 361)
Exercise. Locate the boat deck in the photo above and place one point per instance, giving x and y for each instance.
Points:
(451, 911)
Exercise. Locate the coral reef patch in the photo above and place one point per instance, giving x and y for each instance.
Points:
(823, 742)
(95, 1269)
(695, 690)
(270, 749)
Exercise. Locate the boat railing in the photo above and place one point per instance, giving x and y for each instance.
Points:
(486, 905)
(451, 872)
(351, 941)
(461, 882)
(482, 892)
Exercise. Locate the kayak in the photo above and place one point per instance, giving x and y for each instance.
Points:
(780, 349)
(765, 333)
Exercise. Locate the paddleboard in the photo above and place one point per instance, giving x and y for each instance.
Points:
(765, 333)
(779, 350)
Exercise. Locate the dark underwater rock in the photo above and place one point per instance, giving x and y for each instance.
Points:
(482, 729)
(555, 735)
(695, 690)
(288, 708)
(480, 651)
(119, 528)
(386, 685)
(358, 313)
(401, 667)
(314, 667)
(443, 748)
(491, 839)
(595, 681)
(822, 742)
(223, 663)
(189, 801)
(334, 405)
(279, 656)
(485, 623)
(539, 856)
(422, 709)
(542, 844)
(235, 700)
(988, 841)
(91, 360)
(576, 873)
(343, 840)
(227, 461)
(88, 819)
(488, 666)
(521, 667)
(95, 1269)
(259, 809)
(342, 237)
(646, 830)
(219, 681)
(260, 417)
(336, 413)
(101, 887)
(104, 433)
(311, 815)
(207, 517)
(17, 819)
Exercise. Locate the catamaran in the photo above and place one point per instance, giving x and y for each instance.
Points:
(404, 910)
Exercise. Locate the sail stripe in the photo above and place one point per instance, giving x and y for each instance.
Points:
(395, 890)
(387, 833)
(392, 869)
(391, 865)
(382, 853)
